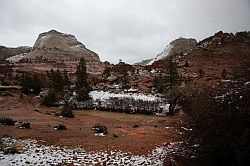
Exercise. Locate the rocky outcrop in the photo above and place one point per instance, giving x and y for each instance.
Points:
(57, 46)
(178, 46)
(6, 52)
(143, 62)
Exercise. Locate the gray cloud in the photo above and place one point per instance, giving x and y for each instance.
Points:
(130, 30)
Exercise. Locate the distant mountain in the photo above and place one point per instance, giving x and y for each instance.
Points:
(54, 45)
(6, 52)
(221, 52)
(177, 46)
(143, 62)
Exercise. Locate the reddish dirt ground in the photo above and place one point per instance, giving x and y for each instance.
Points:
(150, 133)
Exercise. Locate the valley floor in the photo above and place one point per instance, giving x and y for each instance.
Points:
(152, 131)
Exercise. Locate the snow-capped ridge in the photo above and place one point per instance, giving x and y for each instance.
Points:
(176, 46)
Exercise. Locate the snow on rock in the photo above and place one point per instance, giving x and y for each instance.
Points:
(175, 47)
(35, 154)
(162, 55)
(101, 95)
(16, 58)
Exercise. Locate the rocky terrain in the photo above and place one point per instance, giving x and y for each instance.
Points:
(143, 62)
(203, 64)
(120, 94)
(177, 46)
(6, 52)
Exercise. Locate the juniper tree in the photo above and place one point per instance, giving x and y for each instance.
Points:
(82, 86)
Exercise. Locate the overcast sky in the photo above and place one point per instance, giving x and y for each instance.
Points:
(130, 30)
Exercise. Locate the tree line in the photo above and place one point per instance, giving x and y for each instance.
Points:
(58, 83)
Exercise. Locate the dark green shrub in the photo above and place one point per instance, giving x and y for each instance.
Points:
(10, 150)
(136, 126)
(60, 127)
(50, 99)
(100, 129)
(65, 111)
(7, 122)
(24, 125)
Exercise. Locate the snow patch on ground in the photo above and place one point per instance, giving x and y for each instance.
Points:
(102, 96)
(34, 154)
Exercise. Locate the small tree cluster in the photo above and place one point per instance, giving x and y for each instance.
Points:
(30, 84)
(168, 79)
(56, 81)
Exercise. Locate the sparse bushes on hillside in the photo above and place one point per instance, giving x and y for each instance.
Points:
(168, 79)
(221, 119)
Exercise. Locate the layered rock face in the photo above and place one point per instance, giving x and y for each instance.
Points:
(57, 46)
(177, 46)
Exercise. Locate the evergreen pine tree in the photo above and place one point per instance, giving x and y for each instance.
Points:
(50, 78)
(82, 86)
(36, 85)
(159, 83)
(66, 81)
(172, 72)
(168, 78)
(25, 83)
(58, 78)
(55, 80)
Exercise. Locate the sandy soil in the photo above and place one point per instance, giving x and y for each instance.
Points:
(152, 131)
